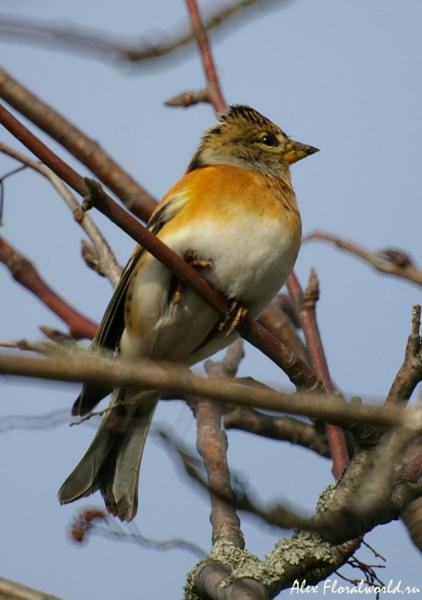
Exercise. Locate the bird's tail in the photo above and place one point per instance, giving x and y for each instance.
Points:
(112, 462)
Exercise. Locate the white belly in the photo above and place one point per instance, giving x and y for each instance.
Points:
(249, 264)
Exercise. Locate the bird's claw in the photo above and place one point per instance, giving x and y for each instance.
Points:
(192, 259)
(233, 317)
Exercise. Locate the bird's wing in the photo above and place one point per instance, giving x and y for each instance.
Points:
(112, 324)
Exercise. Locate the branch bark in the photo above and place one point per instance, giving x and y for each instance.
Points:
(87, 367)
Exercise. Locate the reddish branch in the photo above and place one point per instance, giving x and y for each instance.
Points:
(391, 261)
(306, 304)
(39, 149)
(78, 144)
(213, 90)
(25, 273)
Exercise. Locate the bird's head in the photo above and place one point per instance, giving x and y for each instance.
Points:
(244, 138)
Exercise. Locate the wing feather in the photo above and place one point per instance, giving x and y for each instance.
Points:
(112, 324)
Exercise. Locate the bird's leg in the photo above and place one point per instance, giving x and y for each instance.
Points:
(232, 319)
(192, 259)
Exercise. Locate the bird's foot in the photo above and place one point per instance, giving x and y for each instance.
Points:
(232, 319)
(192, 259)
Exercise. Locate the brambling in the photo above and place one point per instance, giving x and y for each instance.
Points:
(234, 216)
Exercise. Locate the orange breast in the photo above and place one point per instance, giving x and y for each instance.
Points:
(226, 193)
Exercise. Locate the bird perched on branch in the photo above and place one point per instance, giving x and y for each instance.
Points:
(233, 215)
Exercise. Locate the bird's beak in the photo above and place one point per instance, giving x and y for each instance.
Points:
(296, 151)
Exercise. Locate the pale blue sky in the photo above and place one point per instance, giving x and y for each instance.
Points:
(342, 76)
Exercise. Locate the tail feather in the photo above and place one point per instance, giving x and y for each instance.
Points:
(112, 462)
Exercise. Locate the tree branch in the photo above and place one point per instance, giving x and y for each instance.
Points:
(26, 274)
(104, 44)
(107, 263)
(212, 446)
(276, 428)
(306, 306)
(279, 323)
(410, 373)
(213, 91)
(390, 261)
(88, 367)
(87, 151)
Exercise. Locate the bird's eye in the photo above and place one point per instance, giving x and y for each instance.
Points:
(269, 140)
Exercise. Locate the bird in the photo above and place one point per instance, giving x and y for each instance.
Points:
(234, 217)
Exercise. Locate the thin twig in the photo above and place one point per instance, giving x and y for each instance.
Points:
(2, 180)
(390, 261)
(108, 263)
(104, 44)
(214, 93)
(188, 99)
(91, 521)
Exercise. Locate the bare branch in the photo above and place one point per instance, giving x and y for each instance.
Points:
(410, 373)
(212, 446)
(104, 44)
(2, 180)
(188, 99)
(108, 264)
(87, 151)
(26, 274)
(88, 367)
(390, 261)
(95, 521)
(412, 518)
(49, 420)
(276, 428)
(306, 306)
(213, 90)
